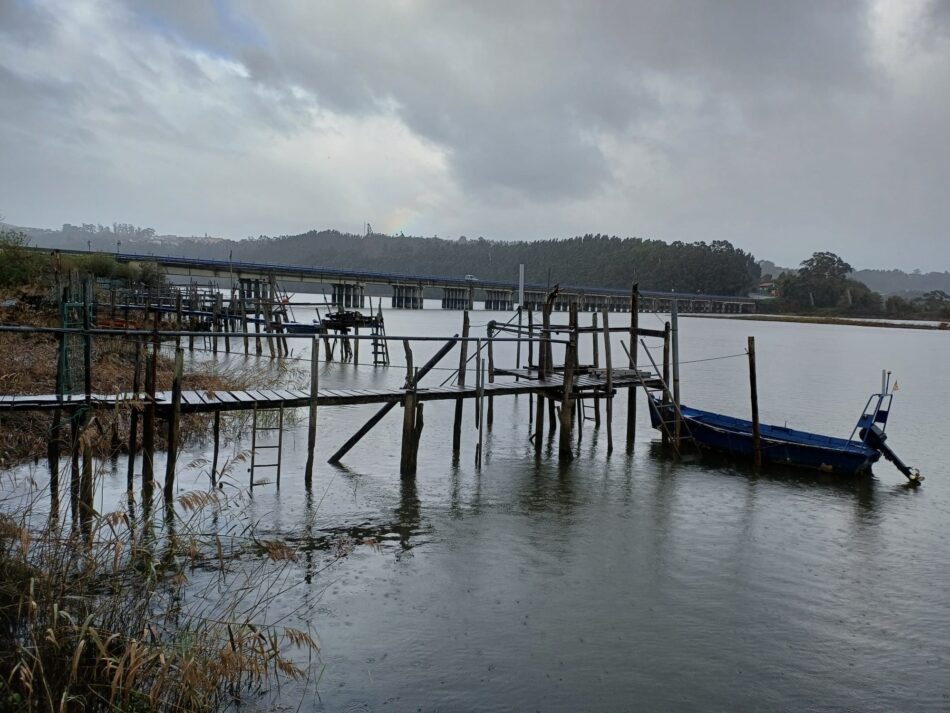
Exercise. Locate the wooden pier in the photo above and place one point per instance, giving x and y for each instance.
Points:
(558, 391)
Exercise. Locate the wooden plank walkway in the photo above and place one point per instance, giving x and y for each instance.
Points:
(586, 385)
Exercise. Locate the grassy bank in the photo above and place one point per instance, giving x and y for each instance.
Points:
(162, 614)
(804, 319)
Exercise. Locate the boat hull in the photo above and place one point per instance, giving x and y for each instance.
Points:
(780, 445)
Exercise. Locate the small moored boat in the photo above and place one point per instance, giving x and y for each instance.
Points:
(788, 446)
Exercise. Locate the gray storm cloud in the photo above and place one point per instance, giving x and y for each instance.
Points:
(783, 127)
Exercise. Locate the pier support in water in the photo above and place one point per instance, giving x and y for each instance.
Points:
(412, 422)
(565, 448)
(173, 421)
(312, 420)
(463, 360)
(457, 298)
(632, 359)
(348, 296)
(407, 297)
(499, 300)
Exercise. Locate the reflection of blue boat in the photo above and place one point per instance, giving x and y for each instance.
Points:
(787, 446)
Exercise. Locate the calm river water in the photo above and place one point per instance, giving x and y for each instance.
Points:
(630, 581)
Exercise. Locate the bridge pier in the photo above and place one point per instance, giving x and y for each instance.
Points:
(533, 301)
(407, 297)
(457, 298)
(499, 300)
(348, 296)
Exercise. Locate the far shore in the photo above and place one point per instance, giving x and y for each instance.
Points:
(805, 319)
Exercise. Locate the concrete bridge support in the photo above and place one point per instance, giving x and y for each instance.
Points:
(348, 296)
(458, 298)
(533, 301)
(407, 297)
(499, 300)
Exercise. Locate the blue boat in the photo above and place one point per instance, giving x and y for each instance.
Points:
(788, 446)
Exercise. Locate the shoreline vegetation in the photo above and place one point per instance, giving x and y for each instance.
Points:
(889, 323)
(156, 605)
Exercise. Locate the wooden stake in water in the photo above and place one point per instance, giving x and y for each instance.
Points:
(675, 341)
(312, 422)
(173, 421)
(595, 343)
(632, 393)
(610, 382)
(463, 358)
(565, 451)
(491, 373)
(148, 432)
(754, 393)
(134, 418)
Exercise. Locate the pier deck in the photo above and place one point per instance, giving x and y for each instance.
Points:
(585, 385)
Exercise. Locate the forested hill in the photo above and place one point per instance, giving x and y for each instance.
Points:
(716, 268)
(597, 260)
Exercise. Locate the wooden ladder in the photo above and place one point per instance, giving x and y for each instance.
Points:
(380, 346)
(257, 428)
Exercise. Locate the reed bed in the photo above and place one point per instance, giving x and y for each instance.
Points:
(162, 611)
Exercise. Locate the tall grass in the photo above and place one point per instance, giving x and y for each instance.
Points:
(161, 612)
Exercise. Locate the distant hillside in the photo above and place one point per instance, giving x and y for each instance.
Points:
(608, 261)
(896, 282)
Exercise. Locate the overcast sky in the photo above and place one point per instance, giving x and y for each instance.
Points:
(784, 127)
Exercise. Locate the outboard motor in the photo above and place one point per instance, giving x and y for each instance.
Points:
(872, 424)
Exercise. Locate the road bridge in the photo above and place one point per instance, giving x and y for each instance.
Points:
(348, 287)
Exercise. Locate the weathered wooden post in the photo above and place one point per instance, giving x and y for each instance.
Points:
(267, 300)
(530, 364)
(754, 392)
(491, 373)
(312, 422)
(565, 451)
(178, 317)
(192, 320)
(242, 292)
(518, 345)
(173, 421)
(632, 392)
(228, 320)
(356, 345)
(610, 382)
(463, 359)
(134, 418)
(666, 399)
(548, 350)
(411, 421)
(595, 343)
(479, 397)
(87, 340)
(215, 323)
(148, 431)
(675, 341)
(258, 347)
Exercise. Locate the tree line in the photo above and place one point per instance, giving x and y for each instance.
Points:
(825, 284)
(593, 259)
